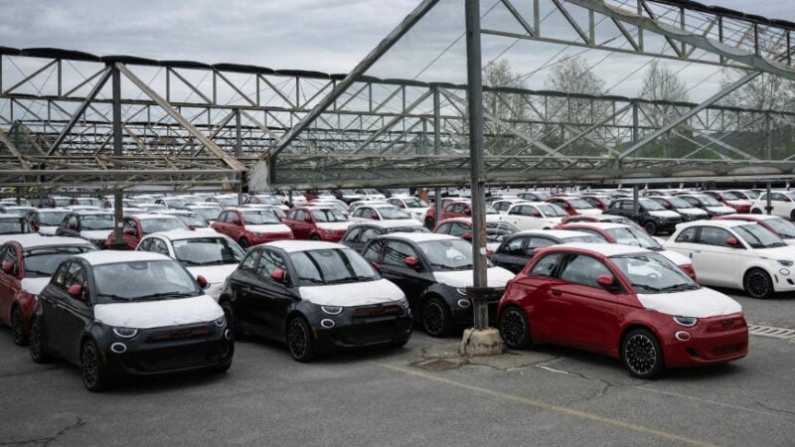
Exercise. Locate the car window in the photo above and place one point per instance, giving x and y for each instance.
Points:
(584, 270)
(513, 247)
(458, 229)
(268, 262)
(75, 275)
(249, 264)
(373, 251)
(535, 242)
(369, 233)
(545, 266)
(352, 235)
(714, 236)
(9, 255)
(396, 253)
(687, 235)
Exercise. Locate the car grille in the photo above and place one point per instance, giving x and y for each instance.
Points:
(377, 311)
(372, 333)
(179, 334)
(726, 324)
(728, 349)
(176, 358)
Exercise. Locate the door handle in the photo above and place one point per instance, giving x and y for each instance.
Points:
(555, 293)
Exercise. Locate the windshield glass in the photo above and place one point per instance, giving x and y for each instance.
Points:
(207, 213)
(414, 202)
(259, 217)
(758, 236)
(143, 281)
(448, 254)
(633, 236)
(52, 219)
(331, 266)
(497, 231)
(328, 215)
(580, 204)
(784, 228)
(677, 203)
(597, 238)
(193, 221)
(710, 201)
(651, 205)
(650, 273)
(227, 201)
(175, 203)
(97, 221)
(551, 210)
(393, 213)
(729, 195)
(42, 262)
(211, 250)
(149, 226)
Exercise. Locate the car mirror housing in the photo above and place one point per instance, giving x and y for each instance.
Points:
(605, 281)
(203, 283)
(8, 267)
(236, 221)
(467, 237)
(412, 262)
(75, 291)
(732, 242)
(278, 275)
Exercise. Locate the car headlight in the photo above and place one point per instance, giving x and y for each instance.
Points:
(220, 322)
(785, 263)
(125, 332)
(329, 231)
(461, 291)
(331, 310)
(686, 321)
(257, 234)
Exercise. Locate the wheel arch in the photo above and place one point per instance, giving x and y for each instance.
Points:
(637, 325)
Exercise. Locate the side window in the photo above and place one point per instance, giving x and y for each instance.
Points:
(75, 275)
(159, 246)
(443, 229)
(368, 234)
(299, 215)
(545, 266)
(714, 236)
(268, 262)
(130, 224)
(584, 270)
(249, 264)
(73, 221)
(373, 251)
(395, 253)
(535, 242)
(688, 235)
(9, 255)
(59, 277)
(514, 246)
(352, 234)
(223, 217)
(360, 212)
(145, 245)
(458, 229)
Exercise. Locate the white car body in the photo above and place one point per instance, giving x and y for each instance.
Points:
(782, 203)
(532, 216)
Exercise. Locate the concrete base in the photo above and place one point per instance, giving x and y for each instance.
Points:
(478, 342)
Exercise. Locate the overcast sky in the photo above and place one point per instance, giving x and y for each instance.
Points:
(324, 35)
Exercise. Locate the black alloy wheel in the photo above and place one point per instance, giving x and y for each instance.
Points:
(429, 223)
(94, 374)
(642, 354)
(514, 328)
(243, 242)
(38, 349)
(650, 228)
(299, 340)
(436, 318)
(757, 284)
(17, 328)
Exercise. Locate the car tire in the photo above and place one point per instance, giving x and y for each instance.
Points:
(243, 242)
(429, 223)
(642, 354)
(650, 227)
(95, 376)
(314, 237)
(18, 334)
(756, 211)
(514, 328)
(436, 319)
(757, 284)
(299, 340)
(38, 349)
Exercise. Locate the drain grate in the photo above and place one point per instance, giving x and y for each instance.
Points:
(775, 332)
(437, 365)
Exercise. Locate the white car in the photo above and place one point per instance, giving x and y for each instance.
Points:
(736, 254)
(534, 215)
(384, 211)
(782, 203)
(502, 204)
(46, 220)
(413, 205)
(370, 194)
(212, 255)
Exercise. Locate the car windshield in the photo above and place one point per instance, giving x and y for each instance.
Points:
(633, 236)
(490, 209)
(97, 221)
(227, 201)
(150, 226)
(651, 205)
(677, 203)
(758, 236)
(411, 229)
(192, 221)
(269, 200)
(589, 238)
(393, 213)
(259, 217)
(60, 201)
(729, 195)
(211, 250)
(580, 204)
(14, 226)
(52, 219)
(207, 213)
(42, 262)
(551, 210)
(413, 202)
(175, 203)
(496, 231)
(143, 281)
(784, 227)
(331, 266)
(328, 215)
(652, 273)
(448, 254)
(710, 201)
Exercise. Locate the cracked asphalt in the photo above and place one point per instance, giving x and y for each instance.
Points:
(423, 394)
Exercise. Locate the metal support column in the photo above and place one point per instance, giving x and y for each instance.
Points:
(118, 204)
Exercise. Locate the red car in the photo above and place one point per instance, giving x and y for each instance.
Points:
(574, 206)
(251, 226)
(137, 226)
(28, 262)
(731, 200)
(624, 302)
(318, 223)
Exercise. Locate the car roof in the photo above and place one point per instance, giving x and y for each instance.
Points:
(11, 216)
(601, 248)
(714, 223)
(293, 245)
(418, 237)
(32, 240)
(554, 233)
(180, 234)
(390, 223)
(598, 225)
(114, 256)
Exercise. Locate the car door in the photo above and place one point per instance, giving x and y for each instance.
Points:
(247, 314)
(390, 255)
(716, 262)
(581, 313)
(272, 299)
(9, 279)
(221, 224)
(511, 254)
(65, 316)
(132, 232)
(301, 223)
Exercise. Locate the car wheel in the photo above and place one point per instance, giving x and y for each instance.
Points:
(757, 284)
(650, 228)
(792, 215)
(514, 328)
(94, 374)
(243, 242)
(315, 237)
(756, 211)
(299, 340)
(38, 349)
(429, 222)
(436, 318)
(231, 322)
(17, 328)
(642, 354)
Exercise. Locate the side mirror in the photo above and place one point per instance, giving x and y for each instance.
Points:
(412, 262)
(376, 266)
(467, 237)
(8, 267)
(374, 216)
(202, 281)
(75, 291)
(732, 242)
(130, 231)
(308, 219)
(536, 214)
(236, 221)
(468, 212)
(278, 275)
(72, 226)
(605, 281)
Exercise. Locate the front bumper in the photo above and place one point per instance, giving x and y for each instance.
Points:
(362, 326)
(712, 341)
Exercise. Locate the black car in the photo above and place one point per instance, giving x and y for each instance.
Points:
(433, 270)
(315, 297)
(518, 248)
(128, 313)
(653, 217)
(93, 226)
(360, 233)
(688, 212)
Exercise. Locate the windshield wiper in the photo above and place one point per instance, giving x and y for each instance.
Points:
(646, 286)
(313, 280)
(169, 295)
(441, 266)
(464, 267)
(682, 286)
(115, 297)
(350, 279)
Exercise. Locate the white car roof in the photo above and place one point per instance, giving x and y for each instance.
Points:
(605, 248)
(713, 223)
(390, 223)
(32, 240)
(114, 256)
(554, 233)
(420, 237)
(293, 246)
(177, 235)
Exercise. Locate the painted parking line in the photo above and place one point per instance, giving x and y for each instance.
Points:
(550, 407)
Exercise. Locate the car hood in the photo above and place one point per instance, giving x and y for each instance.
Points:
(352, 294)
(34, 285)
(692, 211)
(665, 213)
(701, 303)
(334, 225)
(497, 277)
(95, 235)
(47, 231)
(722, 209)
(589, 211)
(676, 258)
(776, 253)
(213, 273)
(152, 314)
(270, 228)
